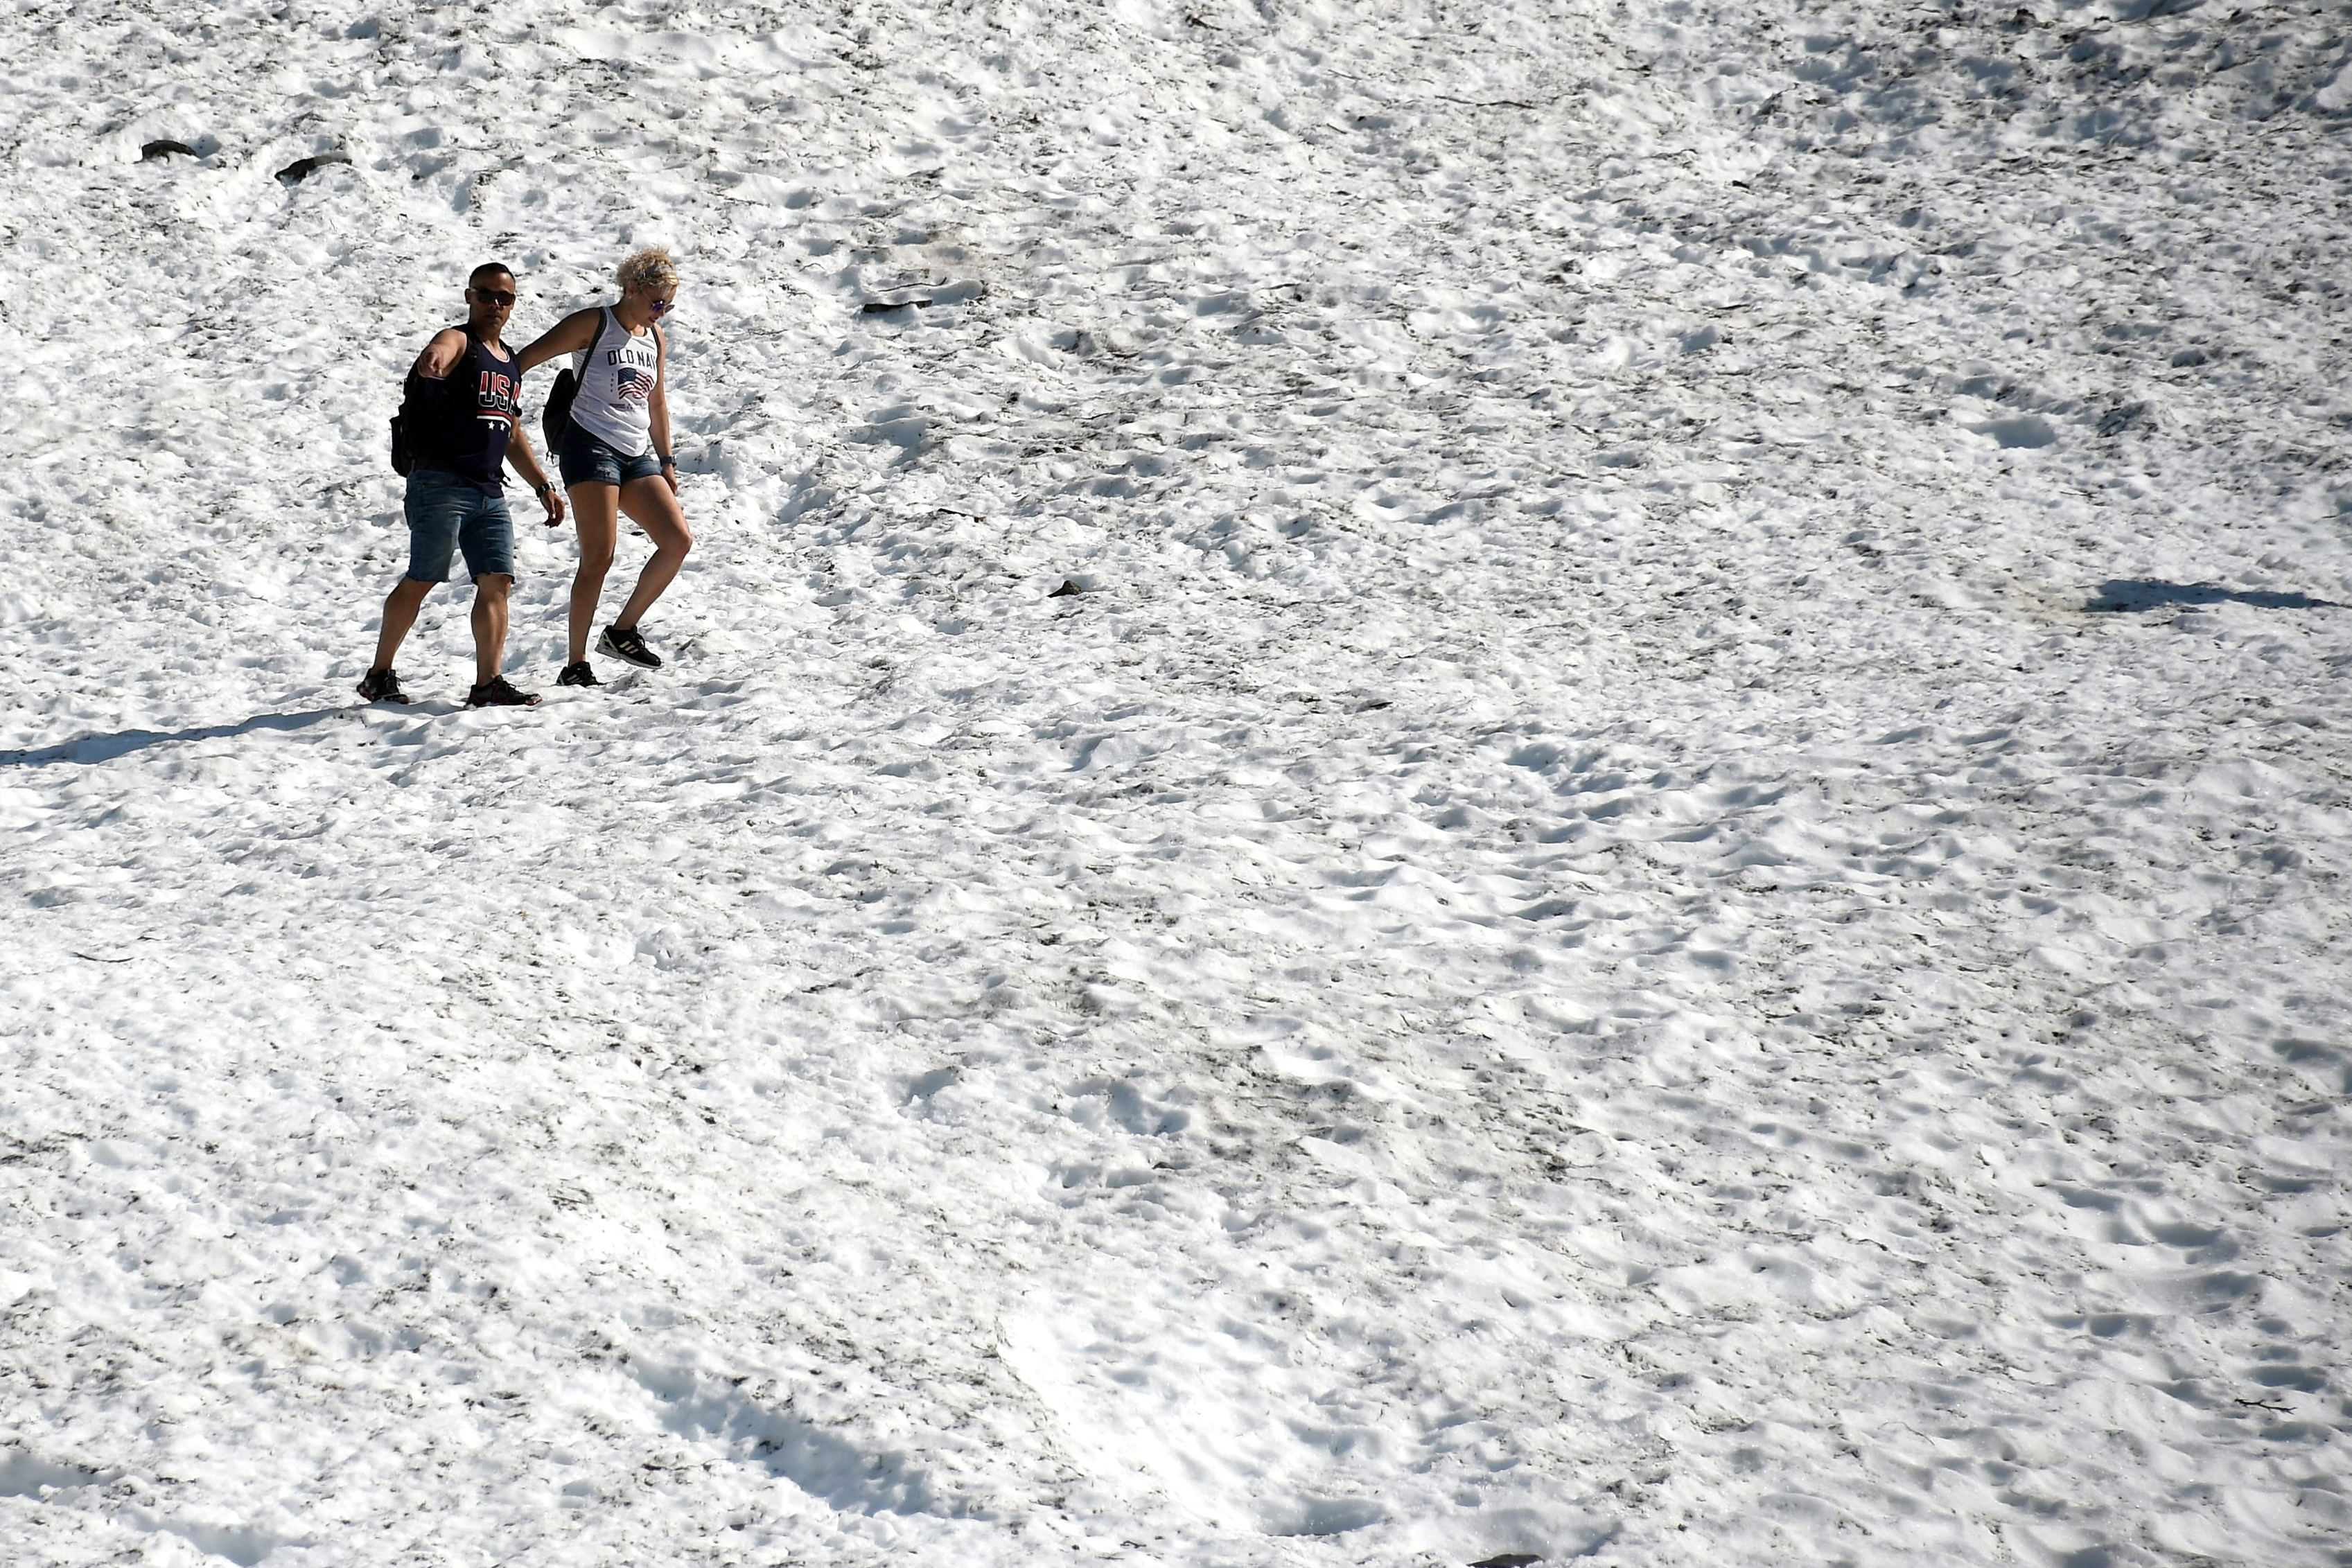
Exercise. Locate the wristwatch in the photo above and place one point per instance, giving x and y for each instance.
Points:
(543, 488)
(669, 462)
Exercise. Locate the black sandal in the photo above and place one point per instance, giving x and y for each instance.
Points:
(497, 693)
(382, 686)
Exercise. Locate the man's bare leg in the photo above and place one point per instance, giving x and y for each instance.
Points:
(400, 607)
(489, 619)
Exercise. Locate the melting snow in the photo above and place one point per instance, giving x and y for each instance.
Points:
(1443, 783)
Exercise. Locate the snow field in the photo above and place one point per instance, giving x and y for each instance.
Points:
(1580, 943)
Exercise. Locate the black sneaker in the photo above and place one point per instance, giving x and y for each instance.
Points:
(581, 674)
(382, 686)
(496, 692)
(628, 645)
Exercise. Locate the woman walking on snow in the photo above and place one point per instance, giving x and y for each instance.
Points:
(615, 453)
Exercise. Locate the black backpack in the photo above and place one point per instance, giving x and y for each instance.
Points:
(557, 415)
(411, 417)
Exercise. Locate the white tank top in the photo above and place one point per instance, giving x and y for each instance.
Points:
(616, 373)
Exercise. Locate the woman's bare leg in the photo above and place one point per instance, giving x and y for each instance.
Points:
(652, 507)
(595, 511)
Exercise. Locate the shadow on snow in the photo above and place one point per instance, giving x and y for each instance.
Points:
(2123, 595)
(107, 748)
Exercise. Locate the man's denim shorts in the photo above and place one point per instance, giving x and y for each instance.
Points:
(446, 514)
(588, 461)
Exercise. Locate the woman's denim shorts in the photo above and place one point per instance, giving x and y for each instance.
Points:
(588, 461)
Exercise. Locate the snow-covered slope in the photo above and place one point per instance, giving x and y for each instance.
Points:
(1676, 892)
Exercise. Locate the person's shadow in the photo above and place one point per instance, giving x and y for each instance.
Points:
(107, 748)
(2127, 594)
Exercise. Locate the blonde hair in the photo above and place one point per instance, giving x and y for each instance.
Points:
(649, 268)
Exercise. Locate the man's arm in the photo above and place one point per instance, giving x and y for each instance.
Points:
(658, 409)
(441, 355)
(569, 336)
(525, 462)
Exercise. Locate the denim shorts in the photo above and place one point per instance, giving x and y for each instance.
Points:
(588, 461)
(446, 514)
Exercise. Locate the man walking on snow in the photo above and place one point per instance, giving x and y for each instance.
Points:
(460, 411)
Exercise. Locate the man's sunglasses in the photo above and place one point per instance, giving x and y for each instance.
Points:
(492, 296)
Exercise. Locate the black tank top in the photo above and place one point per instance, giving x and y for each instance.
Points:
(466, 420)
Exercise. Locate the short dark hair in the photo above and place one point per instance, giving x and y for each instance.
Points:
(484, 270)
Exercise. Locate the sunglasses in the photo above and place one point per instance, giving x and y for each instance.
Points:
(661, 306)
(492, 296)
